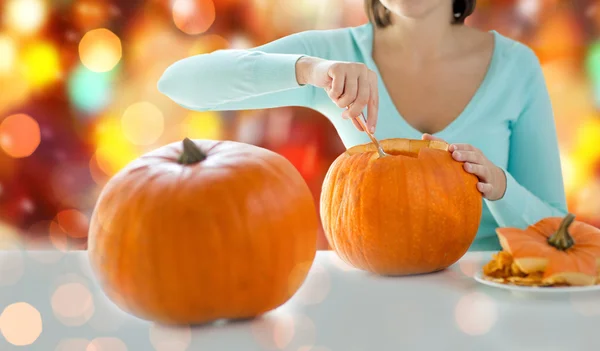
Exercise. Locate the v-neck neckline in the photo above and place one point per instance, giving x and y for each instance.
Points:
(368, 41)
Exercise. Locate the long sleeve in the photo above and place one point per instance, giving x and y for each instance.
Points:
(535, 187)
(262, 77)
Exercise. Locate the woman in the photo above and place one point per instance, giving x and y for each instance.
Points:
(418, 72)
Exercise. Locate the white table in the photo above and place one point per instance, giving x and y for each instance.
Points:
(337, 309)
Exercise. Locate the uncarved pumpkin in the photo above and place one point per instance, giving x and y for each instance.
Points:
(416, 211)
(567, 251)
(203, 230)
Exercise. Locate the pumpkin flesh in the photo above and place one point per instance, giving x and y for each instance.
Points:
(416, 211)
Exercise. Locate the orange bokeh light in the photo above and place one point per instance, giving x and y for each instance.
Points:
(100, 50)
(61, 238)
(74, 223)
(558, 38)
(20, 135)
(193, 16)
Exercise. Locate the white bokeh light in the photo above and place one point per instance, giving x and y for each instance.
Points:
(476, 314)
(24, 16)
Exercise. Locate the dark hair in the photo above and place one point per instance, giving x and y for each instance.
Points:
(380, 16)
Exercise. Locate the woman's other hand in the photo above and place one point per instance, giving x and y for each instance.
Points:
(492, 180)
(349, 85)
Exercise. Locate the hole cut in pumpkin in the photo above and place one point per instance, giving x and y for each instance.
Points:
(400, 147)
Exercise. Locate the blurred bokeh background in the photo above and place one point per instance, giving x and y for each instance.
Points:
(78, 97)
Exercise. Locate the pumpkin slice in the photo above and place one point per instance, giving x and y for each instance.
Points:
(565, 250)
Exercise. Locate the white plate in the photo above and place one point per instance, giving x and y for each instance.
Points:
(565, 289)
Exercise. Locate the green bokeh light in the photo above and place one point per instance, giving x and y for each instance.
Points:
(593, 69)
(90, 91)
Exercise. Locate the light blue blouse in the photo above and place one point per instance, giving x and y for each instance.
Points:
(509, 118)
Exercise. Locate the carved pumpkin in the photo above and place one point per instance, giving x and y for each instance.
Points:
(567, 251)
(211, 230)
(416, 211)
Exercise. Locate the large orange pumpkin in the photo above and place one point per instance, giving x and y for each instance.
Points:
(203, 230)
(416, 211)
(565, 250)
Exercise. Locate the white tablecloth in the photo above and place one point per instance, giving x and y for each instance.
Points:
(337, 309)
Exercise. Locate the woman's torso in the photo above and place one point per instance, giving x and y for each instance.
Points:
(485, 122)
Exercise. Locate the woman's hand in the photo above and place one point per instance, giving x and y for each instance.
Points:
(492, 180)
(350, 85)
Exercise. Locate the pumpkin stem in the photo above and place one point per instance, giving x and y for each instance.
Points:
(562, 240)
(191, 153)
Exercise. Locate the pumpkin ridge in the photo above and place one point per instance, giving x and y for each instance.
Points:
(141, 207)
(527, 248)
(361, 195)
(451, 178)
(216, 240)
(464, 181)
(325, 200)
(231, 285)
(540, 232)
(342, 214)
(193, 297)
(399, 183)
(569, 264)
(404, 176)
(177, 192)
(340, 194)
(428, 254)
(367, 185)
(332, 196)
(145, 211)
(273, 196)
(370, 185)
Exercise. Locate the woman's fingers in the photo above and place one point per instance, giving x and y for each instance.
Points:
(337, 86)
(362, 98)
(468, 156)
(485, 188)
(482, 172)
(354, 87)
(463, 147)
(350, 92)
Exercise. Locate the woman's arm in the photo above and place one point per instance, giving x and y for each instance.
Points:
(262, 77)
(534, 183)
